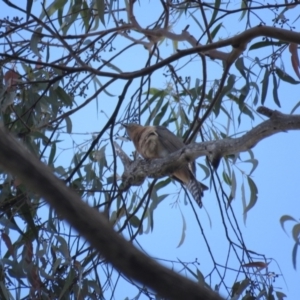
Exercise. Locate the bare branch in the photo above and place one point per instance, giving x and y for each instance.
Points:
(238, 42)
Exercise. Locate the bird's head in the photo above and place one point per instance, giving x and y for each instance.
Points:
(131, 128)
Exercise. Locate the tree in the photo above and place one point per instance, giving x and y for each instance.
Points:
(73, 67)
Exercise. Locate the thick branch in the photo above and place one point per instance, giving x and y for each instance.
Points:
(94, 227)
(157, 168)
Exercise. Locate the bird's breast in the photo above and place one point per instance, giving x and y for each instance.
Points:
(152, 147)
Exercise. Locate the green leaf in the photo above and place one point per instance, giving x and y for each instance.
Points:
(175, 45)
(296, 232)
(244, 7)
(239, 64)
(110, 9)
(162, 183)
(201, 278)
(8, 222)
(254, 163)
(205, 170)
(68, 283)
(226, 178)
(74, 11)
(156, 94)
(216, 30)
(97, 81)
(239, 287)
(275, 91)
(285, 77)
(101, 10)
(280, 295)
(284, 219)
(68, 124)
(52, 154)
(244, 202)
(76, 159)
(264, 44)
(215, 12)
(112, 66)
(265, 84)
(101, 159)
(35, 39)
(39, 135)
(295, 107)
(253, 194)
(26, 213)
(226, 90)
(233, 185)
(183, 230)
(161, 114)
(197, 21)
(86, 16)
(28, 9)
(134, 221)
(53, 7)
(64, 97)
(294, 255)
(63, 247)
(155, 110)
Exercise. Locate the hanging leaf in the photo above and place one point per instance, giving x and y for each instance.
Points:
(293, 48)
(68, 124)
(134, 221)
(216, 30)
(284, 219)
(53, 7)
(244, 7)
(253, 194)
(28, 9)
(265, 84)
(101, 10)
(183, 230)
(275, 90)
(265, 44)
(294, 255)
(239, 64)
(285, 77)
(296, 232)
(215, 12)
(161, 114)
(52, 154)
(112, 66)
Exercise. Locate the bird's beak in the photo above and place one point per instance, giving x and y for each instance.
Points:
(124, 125)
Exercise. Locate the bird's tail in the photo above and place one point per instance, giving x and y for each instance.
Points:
(196, 188)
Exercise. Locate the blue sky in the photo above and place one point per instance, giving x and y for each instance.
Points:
(277, 175)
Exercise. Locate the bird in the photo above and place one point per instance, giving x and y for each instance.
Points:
(158, 142)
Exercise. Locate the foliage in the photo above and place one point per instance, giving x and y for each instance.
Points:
(63, 61)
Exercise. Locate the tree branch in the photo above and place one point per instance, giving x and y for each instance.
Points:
(93, 226)
(156, 168)
(238, 42)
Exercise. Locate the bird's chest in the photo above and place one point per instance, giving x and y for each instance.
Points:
(153, 147)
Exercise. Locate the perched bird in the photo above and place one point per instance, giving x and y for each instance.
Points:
(157, 142)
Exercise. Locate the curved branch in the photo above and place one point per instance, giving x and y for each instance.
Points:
(93, 226)
(156, 168)
(238, 42)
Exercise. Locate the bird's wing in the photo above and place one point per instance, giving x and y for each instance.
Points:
(173, 143)
(168, 139)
